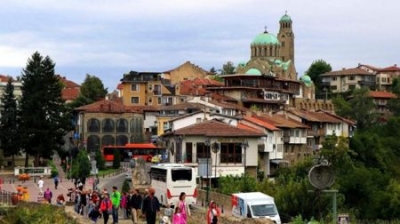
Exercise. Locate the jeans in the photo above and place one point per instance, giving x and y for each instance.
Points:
(115, 214)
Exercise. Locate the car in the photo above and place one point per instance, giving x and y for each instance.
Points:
(156, 159)
(128, 176)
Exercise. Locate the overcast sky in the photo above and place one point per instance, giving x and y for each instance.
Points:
(108, 38)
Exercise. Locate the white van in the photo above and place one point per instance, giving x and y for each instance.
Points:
(254, 205)
(170, 179)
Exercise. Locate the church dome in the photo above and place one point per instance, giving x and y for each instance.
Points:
(253, 71)
(306, 80)
(285, 18)
(265, 38)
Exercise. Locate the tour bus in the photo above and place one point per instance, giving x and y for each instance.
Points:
(170, 179)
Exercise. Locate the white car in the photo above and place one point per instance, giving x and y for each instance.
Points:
(128, 176)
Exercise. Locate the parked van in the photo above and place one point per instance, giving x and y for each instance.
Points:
(254, 205)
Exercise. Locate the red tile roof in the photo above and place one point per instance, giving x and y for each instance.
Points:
(260, 122)
(4, 78)
(120, 86)
(381, 94)
(216, 128)
(245, 127)
(108, 106)
(228, 105)
(70, 94)
(314, 116)
(370, 67)
(393, 68)
(219, 97)
(282, 121)
(67, 83)
(350, 71)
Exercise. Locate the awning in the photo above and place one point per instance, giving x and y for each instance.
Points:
(279, 161)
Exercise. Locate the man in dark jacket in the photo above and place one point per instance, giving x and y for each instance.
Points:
(151, 207)
(135, 204)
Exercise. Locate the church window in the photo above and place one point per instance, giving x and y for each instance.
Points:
(283, 43)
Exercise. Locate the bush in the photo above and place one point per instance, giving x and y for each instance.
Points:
(126, 186)
(54, 171)
(117, 159)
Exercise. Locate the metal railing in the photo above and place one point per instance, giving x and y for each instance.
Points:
(6, 197)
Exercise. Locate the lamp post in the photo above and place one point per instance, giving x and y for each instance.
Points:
(207, 142)
(215, 149)
(245, 145)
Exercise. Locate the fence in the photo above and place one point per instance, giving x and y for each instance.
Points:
(6, 197)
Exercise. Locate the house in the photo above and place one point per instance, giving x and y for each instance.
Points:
(70, 91)
(185, 71)
(109, 122)
(348, 79)
(381, 99)
(230, 150)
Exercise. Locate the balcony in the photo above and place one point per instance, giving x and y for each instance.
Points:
(315, 133)
(367, 83)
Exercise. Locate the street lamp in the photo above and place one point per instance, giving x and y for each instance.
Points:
(215, 149)
(178, 153)
(245, 145)
(207, 142)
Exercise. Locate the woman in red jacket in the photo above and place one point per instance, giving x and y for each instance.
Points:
(106, 207)
(213, 213)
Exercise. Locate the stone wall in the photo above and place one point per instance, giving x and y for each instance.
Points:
(223, 201)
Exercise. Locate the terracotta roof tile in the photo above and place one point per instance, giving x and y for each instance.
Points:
(70, 94)
(370, 67)
(183, 106)
(245, 127)
(67, 83)
(281, 121)
(381, 94)
(261, 122)
(120, 86)
(108, 106)
(219, 97)
(393, 68)
(4, 78)
(314, 116)
(339, 117)
(209, 128)
(228, 105)
(350, 71)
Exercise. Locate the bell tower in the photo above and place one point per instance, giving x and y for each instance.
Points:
(286, 38)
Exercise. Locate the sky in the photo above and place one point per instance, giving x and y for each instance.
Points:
(107, 38)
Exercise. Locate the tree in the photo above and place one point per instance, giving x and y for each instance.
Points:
(92, 90)
(316, 69)
(228, 68)
(117, 159)
(213, 71)
(44, 117)
(363, 109)
(101, 165)
(394, 104)
(81, 166)
(9, 136)
(342, 106)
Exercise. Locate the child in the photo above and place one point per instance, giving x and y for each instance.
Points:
(94, 214)
(178, 218)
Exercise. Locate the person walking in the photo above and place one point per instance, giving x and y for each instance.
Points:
(116, 200)
(106, 207)
(178, 217)
(60, 200)
(135, 203)
(48, 195)
(124, 205)
(56, 182)
(151, 206)
(40, 185)
(183, 206)
(213, 213)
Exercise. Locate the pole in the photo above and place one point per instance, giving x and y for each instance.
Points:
(334, 212)
(207, 188)
(215, 171)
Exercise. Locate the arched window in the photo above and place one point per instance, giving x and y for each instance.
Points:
(93, 143)
(107, 140)
(138, 138)
(122, 140)
(122, 126)
(108, 125)
(136, 126)
(93, 125)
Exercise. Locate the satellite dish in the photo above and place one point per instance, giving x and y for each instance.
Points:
(321, 176)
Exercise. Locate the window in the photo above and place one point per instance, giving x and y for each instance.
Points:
(134, 100)
(93, 125)
(231, 153)
(181, 174)
(334, 78)
(202, 150)
(122, 125)
(150, 100)
(159, 100)
(283, 43)
(157, 90)
(150, 87)
(108, 125)
(135, 87)
(351, 87)
(189, 152)
(352, 77)
(333, 87)
(158, 174)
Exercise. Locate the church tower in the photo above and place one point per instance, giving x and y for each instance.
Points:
(286, 38)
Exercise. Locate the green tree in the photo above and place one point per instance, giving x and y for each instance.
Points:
(92, 90)
(363, 109)
(316, 69)
(342, 106)
(117, 159)
(394, 104)
(43, 115)
(81, 166)
(213, 71)
(9, 132)
(100, 163)
(228, 68)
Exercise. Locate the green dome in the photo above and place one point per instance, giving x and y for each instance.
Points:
(265, 38)
(306, 80)
(253, 71)
(285, 18)
(242, 64)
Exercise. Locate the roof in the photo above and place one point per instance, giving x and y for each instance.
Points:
(313, 116)
(285, 18)
(246, 127)
(260, 122)
(382, 94)
(120, 86)
(183, 106)
(70, 94)
(282, 121)
(393, 68)
(202, 82)
(265, 38)
(228, 105)
(339, 117)
(4, 78)
(67, 83)
(185, 64)
(107, 106)
(350, 71)
(369, 67)
(219, 97)
(209, 128)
